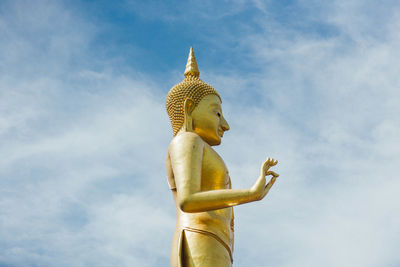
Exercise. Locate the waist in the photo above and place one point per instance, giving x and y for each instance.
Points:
(227, 246)
(218, 222)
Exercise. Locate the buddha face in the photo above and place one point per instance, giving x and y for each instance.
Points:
(208, 121)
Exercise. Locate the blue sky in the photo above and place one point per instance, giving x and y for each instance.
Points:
(84, 132)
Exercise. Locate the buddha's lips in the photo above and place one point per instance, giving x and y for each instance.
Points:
(221, 133)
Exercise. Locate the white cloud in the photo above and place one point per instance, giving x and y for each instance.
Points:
(326, 111)
(77, 150)
(82, 149)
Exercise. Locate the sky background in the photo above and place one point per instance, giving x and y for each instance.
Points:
(84, 131)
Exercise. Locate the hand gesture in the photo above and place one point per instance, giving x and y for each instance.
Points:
(260, 189)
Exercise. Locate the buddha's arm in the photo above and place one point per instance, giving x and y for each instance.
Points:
(214, 199)
(186, 154)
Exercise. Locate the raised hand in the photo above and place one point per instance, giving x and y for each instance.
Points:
(260, 189)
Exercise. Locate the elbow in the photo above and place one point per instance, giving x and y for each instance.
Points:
(184, 205)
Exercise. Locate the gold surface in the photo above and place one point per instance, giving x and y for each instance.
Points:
(191, 67)
(190, 88)
(199, 178)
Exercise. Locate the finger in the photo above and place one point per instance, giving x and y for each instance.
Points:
(274, 174)
(264, 193)
(271, 173)
(266, 162)
(265, 167)
(270, 183)
(270, 162)
(266, 190)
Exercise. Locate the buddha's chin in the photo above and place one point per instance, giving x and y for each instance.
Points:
(215, 142)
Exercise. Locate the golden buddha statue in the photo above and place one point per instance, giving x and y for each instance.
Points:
(198, 177)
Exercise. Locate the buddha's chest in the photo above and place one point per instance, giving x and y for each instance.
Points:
(214, 174)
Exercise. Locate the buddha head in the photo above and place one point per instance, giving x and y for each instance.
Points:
(195, 106)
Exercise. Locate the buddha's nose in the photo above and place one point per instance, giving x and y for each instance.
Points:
(224, 124)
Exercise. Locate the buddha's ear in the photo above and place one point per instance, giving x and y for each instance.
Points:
(188, 107)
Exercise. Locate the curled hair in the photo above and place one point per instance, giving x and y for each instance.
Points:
(191, 87)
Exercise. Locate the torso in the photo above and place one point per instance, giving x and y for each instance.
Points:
(214, 176)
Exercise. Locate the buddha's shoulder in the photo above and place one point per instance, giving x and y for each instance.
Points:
(187, 139)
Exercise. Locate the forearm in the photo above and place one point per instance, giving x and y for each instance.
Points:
(215, 199)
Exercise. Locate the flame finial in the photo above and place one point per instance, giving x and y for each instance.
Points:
(191, 67)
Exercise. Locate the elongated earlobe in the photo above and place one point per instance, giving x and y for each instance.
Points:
(188, 107)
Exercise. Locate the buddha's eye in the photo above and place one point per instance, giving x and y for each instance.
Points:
(219, 114)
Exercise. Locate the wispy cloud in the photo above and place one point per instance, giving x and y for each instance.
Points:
(326, 108)
(82, 178)
(76, 149)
